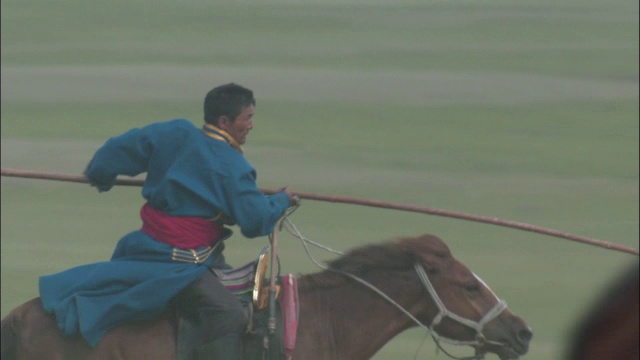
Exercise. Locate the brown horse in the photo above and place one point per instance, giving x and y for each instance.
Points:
(340, 318)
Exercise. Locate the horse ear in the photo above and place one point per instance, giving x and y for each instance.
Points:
(428, 250)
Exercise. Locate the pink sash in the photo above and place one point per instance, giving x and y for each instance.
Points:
(186, 232)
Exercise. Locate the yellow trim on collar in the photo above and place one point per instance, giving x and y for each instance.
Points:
(215, 132)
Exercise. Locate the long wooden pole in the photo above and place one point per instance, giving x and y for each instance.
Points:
(365, 202)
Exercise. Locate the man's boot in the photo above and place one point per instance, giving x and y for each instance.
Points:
(227, 347)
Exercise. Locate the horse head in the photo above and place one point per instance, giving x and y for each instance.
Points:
(461, 308)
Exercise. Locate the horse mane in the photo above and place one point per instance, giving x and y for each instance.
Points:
(395, 255)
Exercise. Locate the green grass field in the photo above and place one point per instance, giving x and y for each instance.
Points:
(517, 110)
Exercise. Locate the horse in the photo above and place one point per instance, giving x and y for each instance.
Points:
(609, 328)
(348, 311)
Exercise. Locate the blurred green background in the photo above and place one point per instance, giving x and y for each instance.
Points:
(526, 111)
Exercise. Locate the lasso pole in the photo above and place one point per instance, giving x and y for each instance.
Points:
(369, 203)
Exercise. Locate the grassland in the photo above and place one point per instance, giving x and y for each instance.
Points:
(518, 110)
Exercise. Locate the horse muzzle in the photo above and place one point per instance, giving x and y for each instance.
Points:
(511, 346)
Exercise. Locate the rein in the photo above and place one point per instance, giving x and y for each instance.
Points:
(443, 312)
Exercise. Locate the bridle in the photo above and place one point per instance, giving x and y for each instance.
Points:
(444, 313)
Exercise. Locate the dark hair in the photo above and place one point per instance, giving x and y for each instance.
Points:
(226, 100)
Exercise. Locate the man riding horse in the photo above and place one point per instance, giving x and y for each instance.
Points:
(197, 181)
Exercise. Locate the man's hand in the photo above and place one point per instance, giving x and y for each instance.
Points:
(294, 200)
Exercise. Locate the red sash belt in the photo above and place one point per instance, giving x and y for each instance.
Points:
(187, 232)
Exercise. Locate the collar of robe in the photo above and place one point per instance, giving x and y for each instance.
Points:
(215, 132)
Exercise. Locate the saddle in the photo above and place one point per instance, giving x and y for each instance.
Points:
(250, 284)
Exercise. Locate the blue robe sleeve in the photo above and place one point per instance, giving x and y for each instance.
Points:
(254, 212)
(126, 154)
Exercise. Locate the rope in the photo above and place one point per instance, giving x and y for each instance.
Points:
(369, 203)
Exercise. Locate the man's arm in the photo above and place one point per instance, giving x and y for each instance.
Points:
(125, 154)
(255, 213)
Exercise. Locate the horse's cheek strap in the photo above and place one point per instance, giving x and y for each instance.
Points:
(443, 312)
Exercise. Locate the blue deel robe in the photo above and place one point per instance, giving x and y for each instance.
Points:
(188, 174)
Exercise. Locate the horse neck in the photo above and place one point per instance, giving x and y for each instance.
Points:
(350, 321)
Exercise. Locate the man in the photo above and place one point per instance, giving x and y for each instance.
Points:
(197, 181)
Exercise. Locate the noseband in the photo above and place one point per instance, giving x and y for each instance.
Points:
(443, 313)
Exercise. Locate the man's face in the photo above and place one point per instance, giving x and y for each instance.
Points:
(239, 128)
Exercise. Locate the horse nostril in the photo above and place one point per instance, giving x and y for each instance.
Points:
(525, 335)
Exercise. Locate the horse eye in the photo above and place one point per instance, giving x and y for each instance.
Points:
(433, 271)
